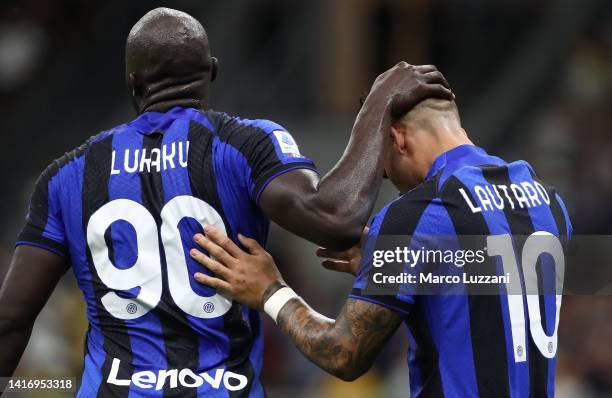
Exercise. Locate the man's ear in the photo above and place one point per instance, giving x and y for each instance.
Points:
(398, 137)
(131, 80)
(135, 90)
(214, 68)
(135, 84)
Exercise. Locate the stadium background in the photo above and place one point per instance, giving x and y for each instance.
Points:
(533, 80)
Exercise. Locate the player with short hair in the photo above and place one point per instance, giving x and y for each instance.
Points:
(461, 345)
(121, 211)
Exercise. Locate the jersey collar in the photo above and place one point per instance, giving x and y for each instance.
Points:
(150, 122)
(462, 155)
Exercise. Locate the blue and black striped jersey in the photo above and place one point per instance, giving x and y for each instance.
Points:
(123, 209)
(472, 345)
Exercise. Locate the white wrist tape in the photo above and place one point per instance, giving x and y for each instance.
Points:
(276, 301)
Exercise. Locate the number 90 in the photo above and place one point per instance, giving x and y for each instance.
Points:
(146, 272)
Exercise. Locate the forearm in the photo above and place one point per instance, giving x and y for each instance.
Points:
(347, 193)
(14, 341)
(29, 282)
(333, 211)
(344, 347)
(317, 337)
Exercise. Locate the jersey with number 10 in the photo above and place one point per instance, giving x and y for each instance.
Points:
(466, 344)
(123, 209)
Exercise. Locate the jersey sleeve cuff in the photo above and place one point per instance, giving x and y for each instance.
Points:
(43, 243)
(262, 182)
(390, 302)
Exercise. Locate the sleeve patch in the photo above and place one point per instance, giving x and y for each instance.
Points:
(287, 144)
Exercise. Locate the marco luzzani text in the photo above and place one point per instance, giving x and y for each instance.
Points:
(412, 258)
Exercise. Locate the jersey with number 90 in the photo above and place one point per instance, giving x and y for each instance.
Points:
(123, 209)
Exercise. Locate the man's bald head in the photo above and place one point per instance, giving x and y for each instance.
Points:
(168, 61)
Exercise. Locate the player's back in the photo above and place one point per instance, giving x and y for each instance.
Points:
(512, 338)
(467, 339)
(124, 208)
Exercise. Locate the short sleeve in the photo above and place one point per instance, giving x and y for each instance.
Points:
(362, 287)
(44, 227)
(416, 222)
(272, 151)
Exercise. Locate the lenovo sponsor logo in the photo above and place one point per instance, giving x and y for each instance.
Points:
(172, 378)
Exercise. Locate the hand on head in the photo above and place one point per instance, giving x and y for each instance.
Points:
(419, 115)
(403, 86)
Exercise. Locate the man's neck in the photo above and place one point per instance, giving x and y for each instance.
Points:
(161, 98)
(441, 141)
(164, 106)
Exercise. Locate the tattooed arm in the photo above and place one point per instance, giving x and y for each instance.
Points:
(344, 347)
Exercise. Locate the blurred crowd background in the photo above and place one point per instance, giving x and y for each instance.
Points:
(533, 80)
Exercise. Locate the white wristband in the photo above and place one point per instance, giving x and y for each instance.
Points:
(275, 303)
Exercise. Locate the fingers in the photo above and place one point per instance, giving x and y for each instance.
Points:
(251, 244)
(327, 253)
(212, 282)
(430, 73)
(214, 266)
(222, 240)
(214, 249)
(404, 102)
(423, 69)
(406, 85)
(385, 74)
(436, 77)
(438, 91)
(339, 266)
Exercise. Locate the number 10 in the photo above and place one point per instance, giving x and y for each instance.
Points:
(536, 244)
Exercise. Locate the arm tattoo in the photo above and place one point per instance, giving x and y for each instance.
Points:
(344, 347)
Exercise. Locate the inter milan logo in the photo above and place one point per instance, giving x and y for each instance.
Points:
(209, 307)
(131, 308)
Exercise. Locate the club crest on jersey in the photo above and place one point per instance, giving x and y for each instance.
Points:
(287, 144)
(164, 379)
(142, 160)
(498, 196)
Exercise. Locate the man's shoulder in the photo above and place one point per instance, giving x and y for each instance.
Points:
(420, 196)
(70, 159)
(402, 215)
(254, 135)
(225, 122)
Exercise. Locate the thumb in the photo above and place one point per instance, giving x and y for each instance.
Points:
(251, 244)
